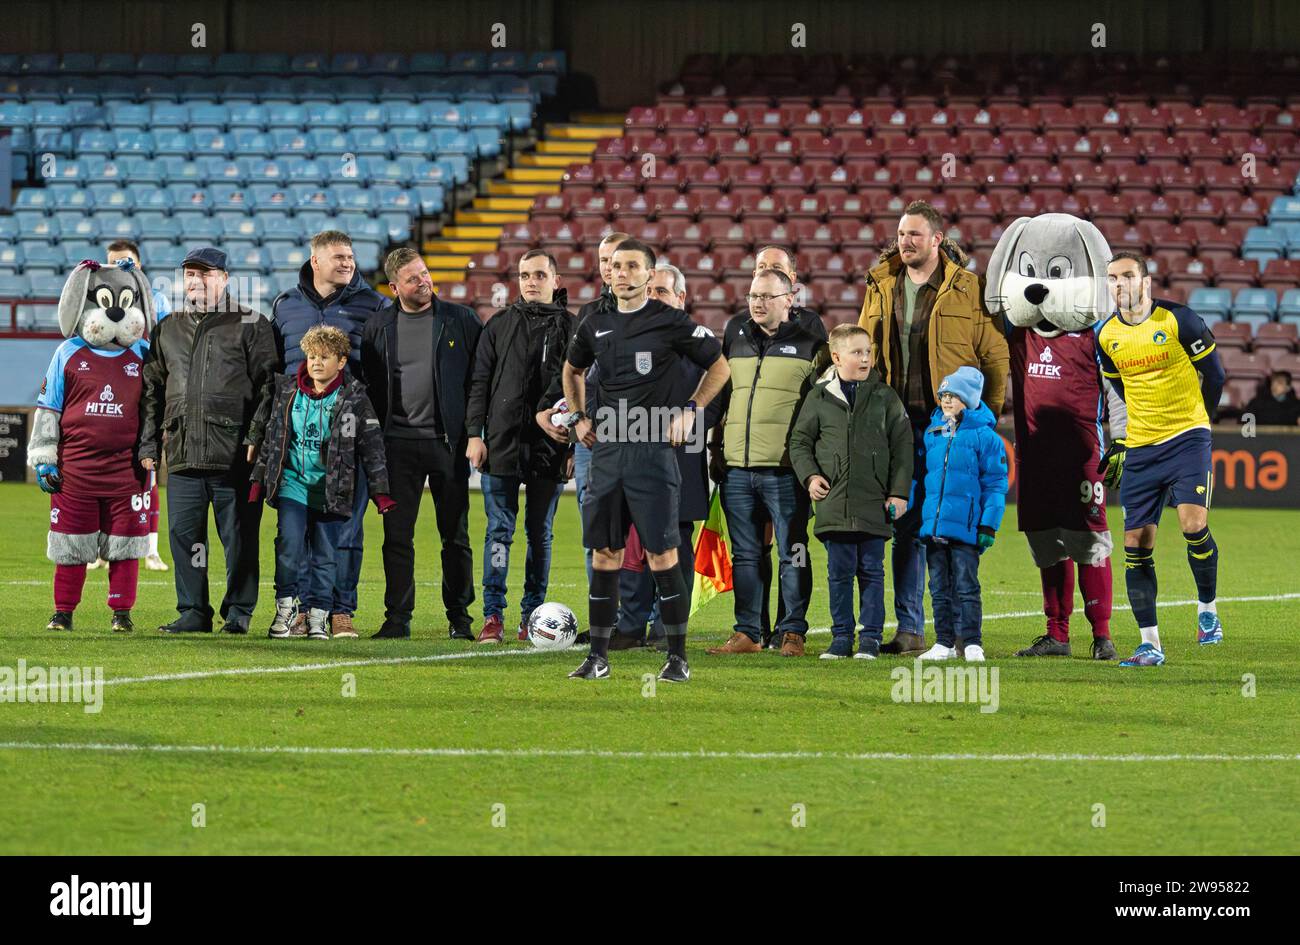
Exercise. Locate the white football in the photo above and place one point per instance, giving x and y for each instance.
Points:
(552, 627)
(560, 419)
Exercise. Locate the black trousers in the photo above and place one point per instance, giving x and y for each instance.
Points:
(410, 463)
(238, 522)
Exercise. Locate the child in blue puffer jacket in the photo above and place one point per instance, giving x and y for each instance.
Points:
(965, 496)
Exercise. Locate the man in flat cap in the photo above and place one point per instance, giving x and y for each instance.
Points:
(207, 387)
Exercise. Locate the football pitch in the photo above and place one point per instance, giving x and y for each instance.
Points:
(241, 745)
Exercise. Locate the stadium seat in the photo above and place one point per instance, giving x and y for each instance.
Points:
(1289, 307)
(1211, 304)
(1254, 306)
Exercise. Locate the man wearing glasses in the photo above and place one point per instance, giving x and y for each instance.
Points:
(772, 362)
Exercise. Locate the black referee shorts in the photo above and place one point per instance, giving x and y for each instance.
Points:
(632, 484)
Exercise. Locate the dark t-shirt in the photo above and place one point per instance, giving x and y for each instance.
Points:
(415, 400)
(638, 353)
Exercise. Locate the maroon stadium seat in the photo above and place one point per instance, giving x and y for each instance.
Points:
(1233, 336)
(1276, 336)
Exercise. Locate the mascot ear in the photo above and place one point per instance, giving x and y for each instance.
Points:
(1004, 252)
(145, 292)
(1098, 250)
(72, 301)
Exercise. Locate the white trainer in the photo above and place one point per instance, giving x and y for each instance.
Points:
(318, 624)
(939, 652)
(974, 653)
(285, 611)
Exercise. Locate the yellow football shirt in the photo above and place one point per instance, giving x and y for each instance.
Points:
(1156, 363)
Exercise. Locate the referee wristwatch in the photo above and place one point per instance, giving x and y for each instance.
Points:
(575, 418)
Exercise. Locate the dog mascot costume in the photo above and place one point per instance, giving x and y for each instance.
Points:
(85, 434)
(1047, 277)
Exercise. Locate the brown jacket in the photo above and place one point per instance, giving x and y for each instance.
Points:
(961, 332)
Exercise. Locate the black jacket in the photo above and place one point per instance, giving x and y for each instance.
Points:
(354, 433)
(207, 387)
(296, 310)
(1269, 411)
(455, 337)
(605, 302)
(692, 461)
(519, 360)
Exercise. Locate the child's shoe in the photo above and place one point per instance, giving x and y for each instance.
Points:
(285, 612)
(840, 648)
(939, 652)
(974, 653)
(318, 627)
(868, 647)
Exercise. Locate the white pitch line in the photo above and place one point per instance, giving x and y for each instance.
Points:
(347, 750)
(478, 653)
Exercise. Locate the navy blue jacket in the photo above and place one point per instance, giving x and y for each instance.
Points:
(296, 310)
(455, 337)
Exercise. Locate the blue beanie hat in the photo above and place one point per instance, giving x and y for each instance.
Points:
(967, 383)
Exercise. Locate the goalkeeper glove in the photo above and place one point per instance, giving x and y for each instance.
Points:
(985, 538)
(48, 477)
(1112, 464)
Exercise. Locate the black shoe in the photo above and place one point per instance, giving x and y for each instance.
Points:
(626, 641)
(234, 626)
(391, 631)
(122, 621)
(1046, 646)
(1103, 649)
(675, 670)
(593, 667)
(461, 632)
(62, 620)
(582, 639)
(905, 643)
(181, 625)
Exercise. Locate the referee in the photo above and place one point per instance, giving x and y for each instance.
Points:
(634, 479)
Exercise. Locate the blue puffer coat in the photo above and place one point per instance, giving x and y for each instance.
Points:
(965, 476)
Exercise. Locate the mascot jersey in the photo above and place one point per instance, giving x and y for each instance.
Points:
(97, 392)
(1058, 398)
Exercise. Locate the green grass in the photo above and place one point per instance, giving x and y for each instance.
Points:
(603, 797)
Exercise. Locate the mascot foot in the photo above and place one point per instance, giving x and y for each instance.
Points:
(122, 621)
(155, 563)
(97, 564)
(62, 620)
(1046, 646)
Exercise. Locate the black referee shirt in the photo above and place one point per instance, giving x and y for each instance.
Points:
(638, 352)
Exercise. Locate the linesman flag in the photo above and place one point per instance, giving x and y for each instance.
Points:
(712, 556)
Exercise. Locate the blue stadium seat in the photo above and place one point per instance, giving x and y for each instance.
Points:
(170, 116)
(200, 230)
(10, 63)
(387, 64)
(412, 143)
(242, 229)
(175, 169)
(174, 144)
(51, 115)
(249, 143)
(308, 88)
(471, 61)
(217, 169)
(432, 172)
(230, 63)
(367, 115)
(479, 89)
(520, 114)
(157, 226)
(74, 251)
(397, 226)
(1254, 306)
(307, 197)
(217, 143)
(95, 141)
(45, 255)
(78, 225)
(405, 115)
(330, 143)
(150, 88)
(108, 197)
(485, 115)
(1285, 209)
(271, 197)
(230, 197)
(34, 198)
(354, 90)
(192, 197)
(16, 114)
(505, 60)
(443, 113)
(248, 115)
(278, 225)
(129, 141)
(117, 64)
(14, 286)
(269, 64)
(397, 91)
(54, 142)
(447, 141)
(291, 142)
(77, 62)
(288, 255)
(1288, 310)
(158, 64)
(150, 197)
(430, 198)
(347, 64)
(48, 287)
(311, 63)
(353, 197)
(285, 115)
(249, 257)
(371, 143)
(73, 198)
(392, 197)
(141, 170)
(326, 115)
(487, 141)
(428, 62)
(386, 171)
(311, 172)
(211, 116)
(313, 221)
(1262, 244)
(267, 169)
(1211, 304)
(11, 255)
(195, 63)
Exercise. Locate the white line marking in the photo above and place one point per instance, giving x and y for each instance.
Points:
(1054, 758)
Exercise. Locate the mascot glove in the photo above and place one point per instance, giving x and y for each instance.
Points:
(1112, 464)
(48, 477)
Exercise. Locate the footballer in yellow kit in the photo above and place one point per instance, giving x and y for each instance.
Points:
(1161, 359)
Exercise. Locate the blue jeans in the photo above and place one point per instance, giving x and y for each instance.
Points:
(851, 555)
(306, 554)
(501, 503)
(351, 537)
(581, 468)
(955, 592)
(908, 553)
(751, 498)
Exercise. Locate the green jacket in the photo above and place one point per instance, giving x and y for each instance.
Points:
(769, 379)
(866, 455)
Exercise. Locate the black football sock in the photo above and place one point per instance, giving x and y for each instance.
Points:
(602, 609)
(674, 608)
(1203, 556)
(1140, 576)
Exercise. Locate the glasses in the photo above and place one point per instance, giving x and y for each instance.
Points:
(751, 297)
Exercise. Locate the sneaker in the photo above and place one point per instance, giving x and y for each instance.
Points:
(841, 648)
(286, 611)
(1144, 655)
(675, 669)
(939, 652)
(868, 647)
(522, 635)
(318, 624)
(792, 644)
(1209, 630)
(1103, 649)
(392, 631)
(62, 620)
(298, 628)
(341, 627)
(493, 631)
(1046, 645)
(459, 631)
(905, 643)
(593, 667)
(738, 643)
(974, 653)
(122, 622)
(155, 563)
